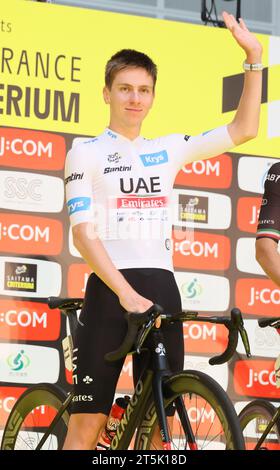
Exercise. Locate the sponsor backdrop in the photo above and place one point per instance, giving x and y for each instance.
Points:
(51, 76)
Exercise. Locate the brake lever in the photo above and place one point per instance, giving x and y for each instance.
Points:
(239, 324)
(245, 339)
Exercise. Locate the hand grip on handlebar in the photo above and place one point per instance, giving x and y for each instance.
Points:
(134, 323)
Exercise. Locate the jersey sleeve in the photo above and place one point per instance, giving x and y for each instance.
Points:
(269, 217)
(186, 149)
(78, 184)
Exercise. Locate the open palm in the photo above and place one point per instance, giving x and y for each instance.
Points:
(241, 34)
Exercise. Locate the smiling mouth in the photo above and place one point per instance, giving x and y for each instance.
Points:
(133, 109)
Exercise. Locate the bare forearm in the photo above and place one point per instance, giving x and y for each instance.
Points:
(95, 255)
(245, 124)
(269, 258)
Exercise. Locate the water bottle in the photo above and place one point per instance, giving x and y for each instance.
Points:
(112, 423)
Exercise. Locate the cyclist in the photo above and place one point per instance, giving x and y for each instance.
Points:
(268, 231)
(118, 188)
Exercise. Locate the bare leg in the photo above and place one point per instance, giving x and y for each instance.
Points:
(84, 430)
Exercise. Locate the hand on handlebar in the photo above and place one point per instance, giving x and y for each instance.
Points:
(136, 303)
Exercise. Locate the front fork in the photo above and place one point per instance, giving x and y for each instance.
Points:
(184, 419)
(159, 405)
(161, 371)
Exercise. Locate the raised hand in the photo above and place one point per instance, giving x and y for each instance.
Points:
(243, 37)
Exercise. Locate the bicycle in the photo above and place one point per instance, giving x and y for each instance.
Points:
(260, 419)
(204, 415)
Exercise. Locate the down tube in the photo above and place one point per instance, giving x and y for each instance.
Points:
(134, 412)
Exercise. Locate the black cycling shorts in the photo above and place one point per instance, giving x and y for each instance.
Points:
(102, 328)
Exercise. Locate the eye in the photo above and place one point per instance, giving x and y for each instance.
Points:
(124, 88)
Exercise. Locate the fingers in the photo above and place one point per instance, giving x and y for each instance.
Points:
(231, 23)
(234, 23)
(229, 20)
(243, 25)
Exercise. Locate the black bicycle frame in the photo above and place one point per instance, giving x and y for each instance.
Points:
(150, 385)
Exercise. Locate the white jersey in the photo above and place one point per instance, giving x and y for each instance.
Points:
(125, 187)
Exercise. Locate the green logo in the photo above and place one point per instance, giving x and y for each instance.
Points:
(192, 289)
(19, 361)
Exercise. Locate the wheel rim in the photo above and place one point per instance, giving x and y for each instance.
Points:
(253, 425)
(31, 419)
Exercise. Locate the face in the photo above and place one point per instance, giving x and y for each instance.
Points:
(131, 96)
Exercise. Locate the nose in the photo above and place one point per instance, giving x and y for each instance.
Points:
(134, 96)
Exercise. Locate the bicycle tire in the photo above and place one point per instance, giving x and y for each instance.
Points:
(261, 412)
(23, 427)
(197, 383)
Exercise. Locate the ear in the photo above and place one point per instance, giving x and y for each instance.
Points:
(106, 95)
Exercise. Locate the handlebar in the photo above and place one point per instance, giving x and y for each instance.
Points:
(271, 321)
(136, 323)
(66, 304)
(140, 324)
(235, 325)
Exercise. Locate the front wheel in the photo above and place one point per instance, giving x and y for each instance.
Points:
(202, 404)
(31, 417)
(254, 419)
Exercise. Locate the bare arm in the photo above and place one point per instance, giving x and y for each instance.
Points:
(268, 257)
(245, 124)
(93, 252)
(246, 120)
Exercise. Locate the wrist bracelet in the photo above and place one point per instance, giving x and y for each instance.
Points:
(252, 67)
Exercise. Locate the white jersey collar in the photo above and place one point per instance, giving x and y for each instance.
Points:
(116, 136)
